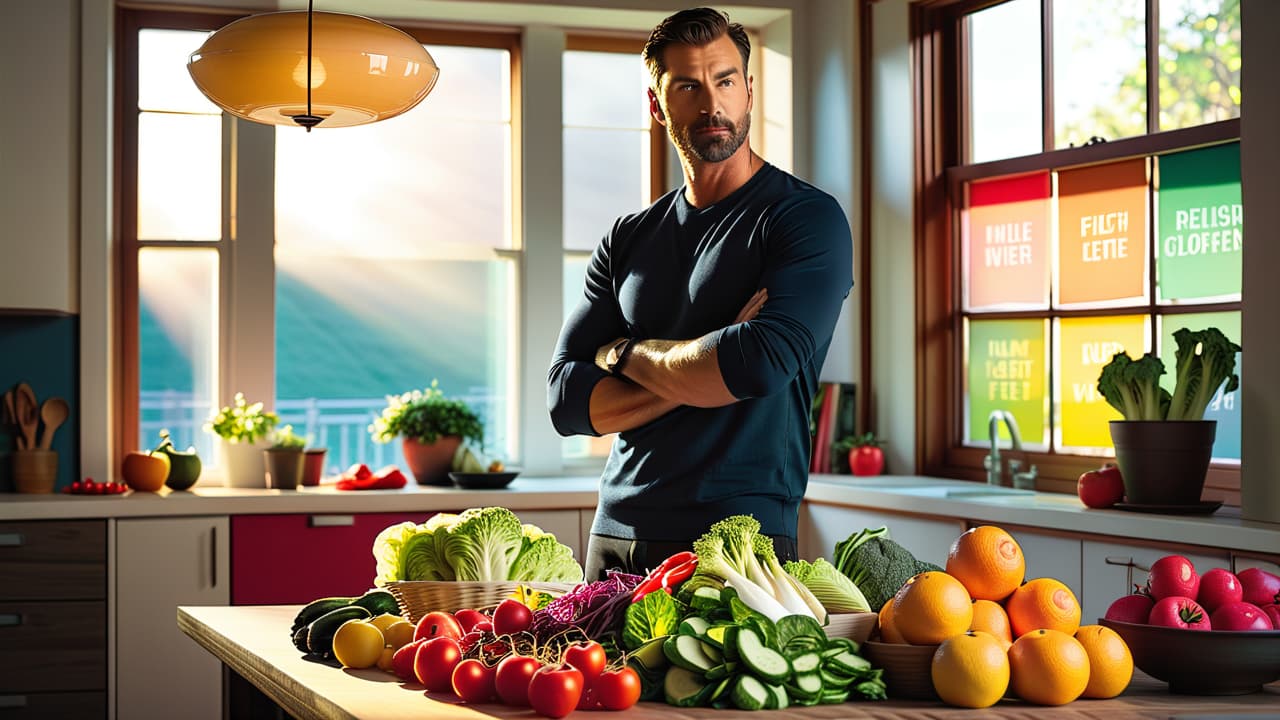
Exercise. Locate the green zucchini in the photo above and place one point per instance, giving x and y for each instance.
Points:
(705, 598)
(693, 626)
(730, 643)
(833, 697)
(687, 652)
(715, 636)
(807, 662)
(848, 664)
(722, 671)
(712, 652)
(682, 687)
(300, 639)
(779, 701)
(806, 686)
(718, 690)
(832, 679)
(749, 693)
(378, 602)
(314, 609)
(320, 633)
(767, 664)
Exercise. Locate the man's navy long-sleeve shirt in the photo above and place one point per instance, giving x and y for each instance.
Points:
(676, 272)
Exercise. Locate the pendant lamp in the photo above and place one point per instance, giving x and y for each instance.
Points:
(312, 68)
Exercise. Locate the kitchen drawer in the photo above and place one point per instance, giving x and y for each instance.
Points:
(47, 646)
(53, 706)
(289, 559)
(55, 560)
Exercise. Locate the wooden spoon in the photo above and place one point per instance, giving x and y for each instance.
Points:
(53, 412)
(12, 415)
(28, 414)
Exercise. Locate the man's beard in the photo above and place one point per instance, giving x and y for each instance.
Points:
(713, 148)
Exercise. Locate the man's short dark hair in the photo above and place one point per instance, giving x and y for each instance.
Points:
(694, 27)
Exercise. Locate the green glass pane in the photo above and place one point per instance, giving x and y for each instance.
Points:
(1224, 407)
(1008, 370)
(1200, 224)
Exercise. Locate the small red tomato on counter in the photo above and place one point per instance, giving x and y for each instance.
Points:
(512, 679)
(434, 662)
(1101, 488)
(617, 689)
(554, 691)
(402, 661)
(589, 658)
(473, 681)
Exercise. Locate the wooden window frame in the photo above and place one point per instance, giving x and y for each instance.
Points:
(939, 79)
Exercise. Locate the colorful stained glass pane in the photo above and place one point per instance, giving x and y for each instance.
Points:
(1005, 231)
(1085, 345)
(1007, 371)
(1102, 233)
(1200, 224)
(1224, 407)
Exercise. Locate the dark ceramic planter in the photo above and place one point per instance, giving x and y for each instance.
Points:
(284, 468)
(1164, 462)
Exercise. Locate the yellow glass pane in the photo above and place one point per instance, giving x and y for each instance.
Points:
(1085, 345)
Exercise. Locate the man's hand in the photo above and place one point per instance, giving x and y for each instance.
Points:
(752, 308)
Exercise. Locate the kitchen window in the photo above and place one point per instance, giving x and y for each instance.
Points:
(1079, 185)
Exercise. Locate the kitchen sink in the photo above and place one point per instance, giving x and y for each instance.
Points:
(962, 492)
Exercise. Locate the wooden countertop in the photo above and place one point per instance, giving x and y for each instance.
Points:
(253, 642)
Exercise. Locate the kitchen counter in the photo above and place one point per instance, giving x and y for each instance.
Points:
(253, 642)
(891, 493)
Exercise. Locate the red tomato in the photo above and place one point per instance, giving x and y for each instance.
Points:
(511, 616)
(1240, 616)
(1180, 612)
(554, 691)
(437, 624)
(402, 661)
(866, 460)
(588, 657)
(1219, 587)
(468, 618)
(617, 689)
(1260, 587)
(1173, 576)
(1101, 488)
(1273, 611)
(434, 662)
(512, 678)
(473, 681)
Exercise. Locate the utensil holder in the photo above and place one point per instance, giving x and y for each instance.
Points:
(35, 471)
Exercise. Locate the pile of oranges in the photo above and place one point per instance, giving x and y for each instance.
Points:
(996, 633)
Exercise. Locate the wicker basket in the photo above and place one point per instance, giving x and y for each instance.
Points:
(419, 597)
(856, 626)
(907, 668)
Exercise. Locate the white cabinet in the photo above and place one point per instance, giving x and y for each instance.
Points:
(822, 526)
(1106, 577)
(161, 564)
(1051, 556)
(564, 524)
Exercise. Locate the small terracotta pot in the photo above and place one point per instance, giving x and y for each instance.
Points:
(313, 467)
(430, 463)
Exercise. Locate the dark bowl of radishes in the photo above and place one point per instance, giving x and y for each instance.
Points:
(1210, 634)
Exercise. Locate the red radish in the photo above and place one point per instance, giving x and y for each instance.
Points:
(1180, 612)
(1217, 588)
(1134, 608)
(1260, 587)
(1240, 616)
(1173, 576)
(1273, 612)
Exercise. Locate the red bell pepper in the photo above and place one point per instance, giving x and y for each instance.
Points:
(359, 477)
(654, 580)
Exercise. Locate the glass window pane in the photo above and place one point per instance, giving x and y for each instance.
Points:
(580, 447)
(179, 177)
(606, 175)
(1102, 233)
(428, 183)
(1099, 70)
(1200, 225)
(1199, 62)
(1005, 82)
(1224, 407)
(1006, 236)
(163, 80)
(1007, 370)
(177, 346)
(1084, 346)
(474, 85)
(605, 90)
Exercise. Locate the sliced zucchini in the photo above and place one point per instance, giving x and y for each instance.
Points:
(749, 693)
(722, 671)
(806, 686)
(848, 663)
(833, 697)
(712, 651)
(715, 635)
(780, 700)
(833, 679)
(686, 652)
(832, 651)
(806, 663)
(730, 646)
(768, 664)
(682, 687)
(719, 690)
(705, 598)
(694, 626)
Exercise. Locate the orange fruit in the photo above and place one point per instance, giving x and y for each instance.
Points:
(1043, 603)
(1048, 667)
(888, 633)
(988, 561)
(970, 670)
(931, 607)
(1110, 662)
(990, 618)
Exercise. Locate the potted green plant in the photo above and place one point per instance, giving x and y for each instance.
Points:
(284, 459)
(1164, 445)
(432, 427)
(243, 430)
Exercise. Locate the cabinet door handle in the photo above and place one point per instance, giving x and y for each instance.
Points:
(10, 619)
(13, 540)
(13, 701)
(213, 556)
(332, 520)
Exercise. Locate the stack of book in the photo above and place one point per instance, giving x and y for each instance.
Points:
(833, 418)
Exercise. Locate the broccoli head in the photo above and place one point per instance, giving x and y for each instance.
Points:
(1133, 387)
(877, 565)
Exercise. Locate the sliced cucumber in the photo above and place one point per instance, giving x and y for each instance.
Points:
(705, 598)
(806, 663)
(833, 679)
(832, 651)
(806, 686)
(718, 690)
(712, 652)
(722, 671)
(848, 663)
(682, 687)
(686, 652)
(750, 694)
(768, 664)
(730, 646)
(833, 697)
(715, 635)
(848, 644)
(694, 626)
(780, 700)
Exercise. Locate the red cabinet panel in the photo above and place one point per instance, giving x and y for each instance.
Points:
(288, 559)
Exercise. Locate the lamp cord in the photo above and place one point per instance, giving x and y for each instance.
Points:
(310, 7)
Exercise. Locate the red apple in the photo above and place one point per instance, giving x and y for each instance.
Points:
(1135, 608)
(1173, 576)
(1260, 587)
(1273, 612)
(1217, 588)
(1180, 612)
(1101, 488)
(437, 624)
(1240, 616)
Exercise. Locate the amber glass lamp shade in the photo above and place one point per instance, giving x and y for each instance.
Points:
(362, 71)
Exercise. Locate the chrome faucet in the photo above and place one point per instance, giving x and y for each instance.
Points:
(995, 471)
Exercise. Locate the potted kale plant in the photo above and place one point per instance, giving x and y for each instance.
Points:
(432, 428)
(1164, 445)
